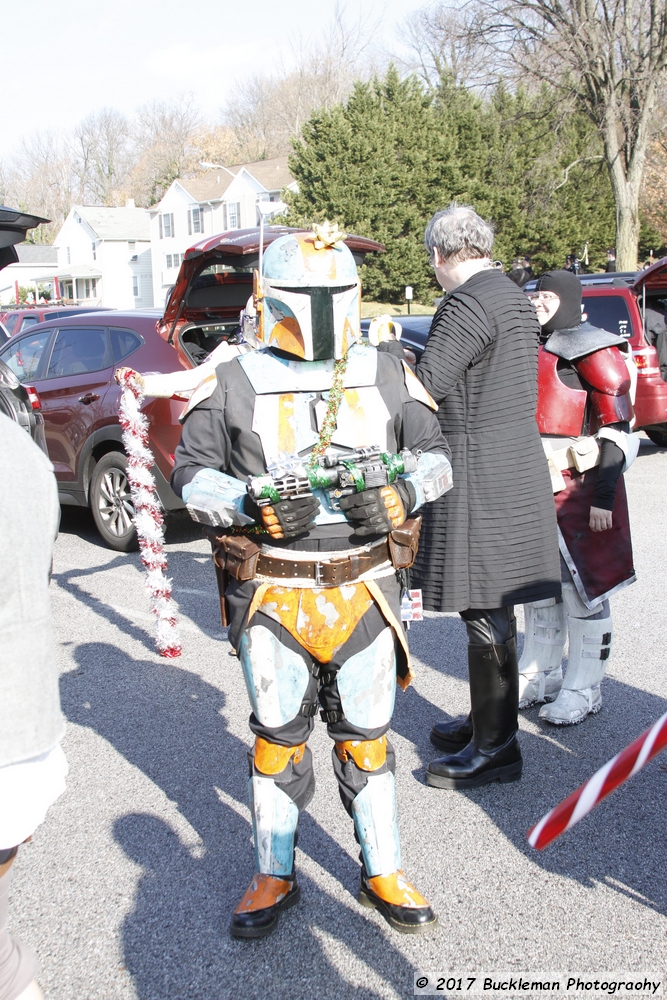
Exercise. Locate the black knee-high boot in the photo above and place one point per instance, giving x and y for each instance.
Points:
(493, 753)
(454, 735)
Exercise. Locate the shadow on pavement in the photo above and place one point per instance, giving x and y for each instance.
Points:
(168, 723)
(621, 843)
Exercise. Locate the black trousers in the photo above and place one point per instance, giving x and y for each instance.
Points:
(489, 625)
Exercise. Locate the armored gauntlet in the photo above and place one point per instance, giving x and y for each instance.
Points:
(289, 518)
(378, 511)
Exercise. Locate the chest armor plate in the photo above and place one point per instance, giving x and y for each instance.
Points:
(560, 410)
(284, 424)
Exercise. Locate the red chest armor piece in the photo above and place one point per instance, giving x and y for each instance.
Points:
(560, 410)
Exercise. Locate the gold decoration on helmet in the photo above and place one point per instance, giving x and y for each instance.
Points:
(327, 234)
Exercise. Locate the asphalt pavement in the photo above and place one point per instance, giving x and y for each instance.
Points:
(127, 888)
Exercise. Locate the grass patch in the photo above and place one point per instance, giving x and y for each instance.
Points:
(370, 309)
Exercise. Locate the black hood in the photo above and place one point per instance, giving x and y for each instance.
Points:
(568, 288)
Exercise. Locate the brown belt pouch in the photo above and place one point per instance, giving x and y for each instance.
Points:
(233, 555)
(238, 555)
(404, 542)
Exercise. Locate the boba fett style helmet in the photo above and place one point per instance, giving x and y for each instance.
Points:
(310, 295)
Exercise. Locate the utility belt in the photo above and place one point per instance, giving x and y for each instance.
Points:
(581, 454)
(240, 557)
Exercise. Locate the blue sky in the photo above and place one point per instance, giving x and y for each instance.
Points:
(62, 61)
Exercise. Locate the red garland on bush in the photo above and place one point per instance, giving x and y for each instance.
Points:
(148, 516)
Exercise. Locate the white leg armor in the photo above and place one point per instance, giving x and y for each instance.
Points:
(580, 694)
(376, 823)
(274, 821)
(540, 674)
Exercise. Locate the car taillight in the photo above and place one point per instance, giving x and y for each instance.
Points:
(646, 360)
(172, 459)
(33, 396)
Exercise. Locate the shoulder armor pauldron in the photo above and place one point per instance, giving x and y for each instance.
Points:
(580, 341)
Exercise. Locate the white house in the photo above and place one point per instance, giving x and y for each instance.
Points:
(104, 257)
(223, 198)
(37, 264)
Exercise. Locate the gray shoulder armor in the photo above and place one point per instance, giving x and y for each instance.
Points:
(581, 340)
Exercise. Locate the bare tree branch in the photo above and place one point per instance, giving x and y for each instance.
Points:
(610, 56)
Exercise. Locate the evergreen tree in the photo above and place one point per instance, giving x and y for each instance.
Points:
(384, 162)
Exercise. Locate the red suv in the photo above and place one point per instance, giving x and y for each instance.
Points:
(67, 366)
(618, 302)
(17, 320)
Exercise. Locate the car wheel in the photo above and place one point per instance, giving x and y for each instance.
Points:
(111, 502)
(658, 435)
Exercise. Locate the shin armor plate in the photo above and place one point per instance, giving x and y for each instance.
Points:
(281, 782)
(590, 646)
(275, 817)
(376, 824)
(540, 675)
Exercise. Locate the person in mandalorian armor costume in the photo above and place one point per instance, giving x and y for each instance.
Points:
(584, 410)
(311, 455)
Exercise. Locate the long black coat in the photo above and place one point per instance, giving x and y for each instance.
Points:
(492, 540)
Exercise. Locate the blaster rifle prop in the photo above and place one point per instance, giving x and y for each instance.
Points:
(603, 783)
(148, 517)
(339, 474)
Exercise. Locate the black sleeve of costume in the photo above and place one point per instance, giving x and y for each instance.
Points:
(459, 335)
(204, 444)
(392, 347)
(610, 470)
(421, 430)
(415, 424)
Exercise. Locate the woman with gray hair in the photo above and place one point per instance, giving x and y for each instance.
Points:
(491, 542)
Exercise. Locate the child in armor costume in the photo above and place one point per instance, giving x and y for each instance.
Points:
(584, 411)
(314, 602)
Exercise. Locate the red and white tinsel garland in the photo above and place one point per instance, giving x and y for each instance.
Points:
(148, 516)
(614, 773)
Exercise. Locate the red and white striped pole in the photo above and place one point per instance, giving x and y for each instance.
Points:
(614, 773)
(148, 516)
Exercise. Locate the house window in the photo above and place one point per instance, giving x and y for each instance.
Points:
(94, 251)
(195, 220)
(69, 256)
(166, 222)
(135, 285)
(85, 288)
(168, 258)
(234, 215)
(132, 250)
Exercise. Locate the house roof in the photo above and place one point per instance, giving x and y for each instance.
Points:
(272, 175)
(210, 187)
(32, 253)
(71, 272)
(116, 223)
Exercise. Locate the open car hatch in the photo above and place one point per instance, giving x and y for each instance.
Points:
(653, 279)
